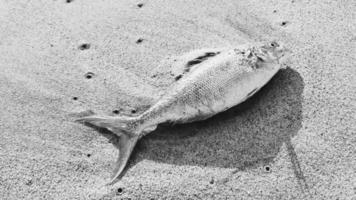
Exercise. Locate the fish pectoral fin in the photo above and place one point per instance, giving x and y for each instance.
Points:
(125, 145)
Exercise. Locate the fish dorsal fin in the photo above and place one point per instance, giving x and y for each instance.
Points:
(190, 61)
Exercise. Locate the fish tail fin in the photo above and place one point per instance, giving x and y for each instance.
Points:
(128, 131)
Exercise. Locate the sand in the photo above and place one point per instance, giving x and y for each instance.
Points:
(295, 139)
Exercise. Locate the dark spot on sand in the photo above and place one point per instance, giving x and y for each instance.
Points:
(154, 76)
(69, 1)
(133, 111)
(51, 45)
(116, 112)
(211, 181)
(89, 75)
(140, 5)
(274, 11)
(268, 168)
(284, 23)
(138, 41)
(75, 98)
(84, 46)
(119, 191)
(178, 77)
(88, 155)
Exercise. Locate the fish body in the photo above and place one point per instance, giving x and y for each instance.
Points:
(213, 81)
(216, 85)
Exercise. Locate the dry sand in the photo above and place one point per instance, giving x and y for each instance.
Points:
(295, 139)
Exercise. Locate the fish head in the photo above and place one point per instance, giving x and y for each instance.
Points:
(270, 53)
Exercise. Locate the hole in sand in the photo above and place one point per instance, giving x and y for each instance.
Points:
(284, 23)
(68, 1)
(211, 181)
(139, 41)
(274, 11)
(88, 155)
(119, 191)
(89, 75)
(140, 5)
(116, 111)
(133, 111)
(84, 46)
(267, 168)
(75, 98)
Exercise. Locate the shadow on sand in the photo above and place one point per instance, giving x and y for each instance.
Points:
(246, 136)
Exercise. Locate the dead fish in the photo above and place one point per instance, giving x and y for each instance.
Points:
(213, 81)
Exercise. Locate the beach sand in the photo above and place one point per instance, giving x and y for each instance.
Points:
(295, 139)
